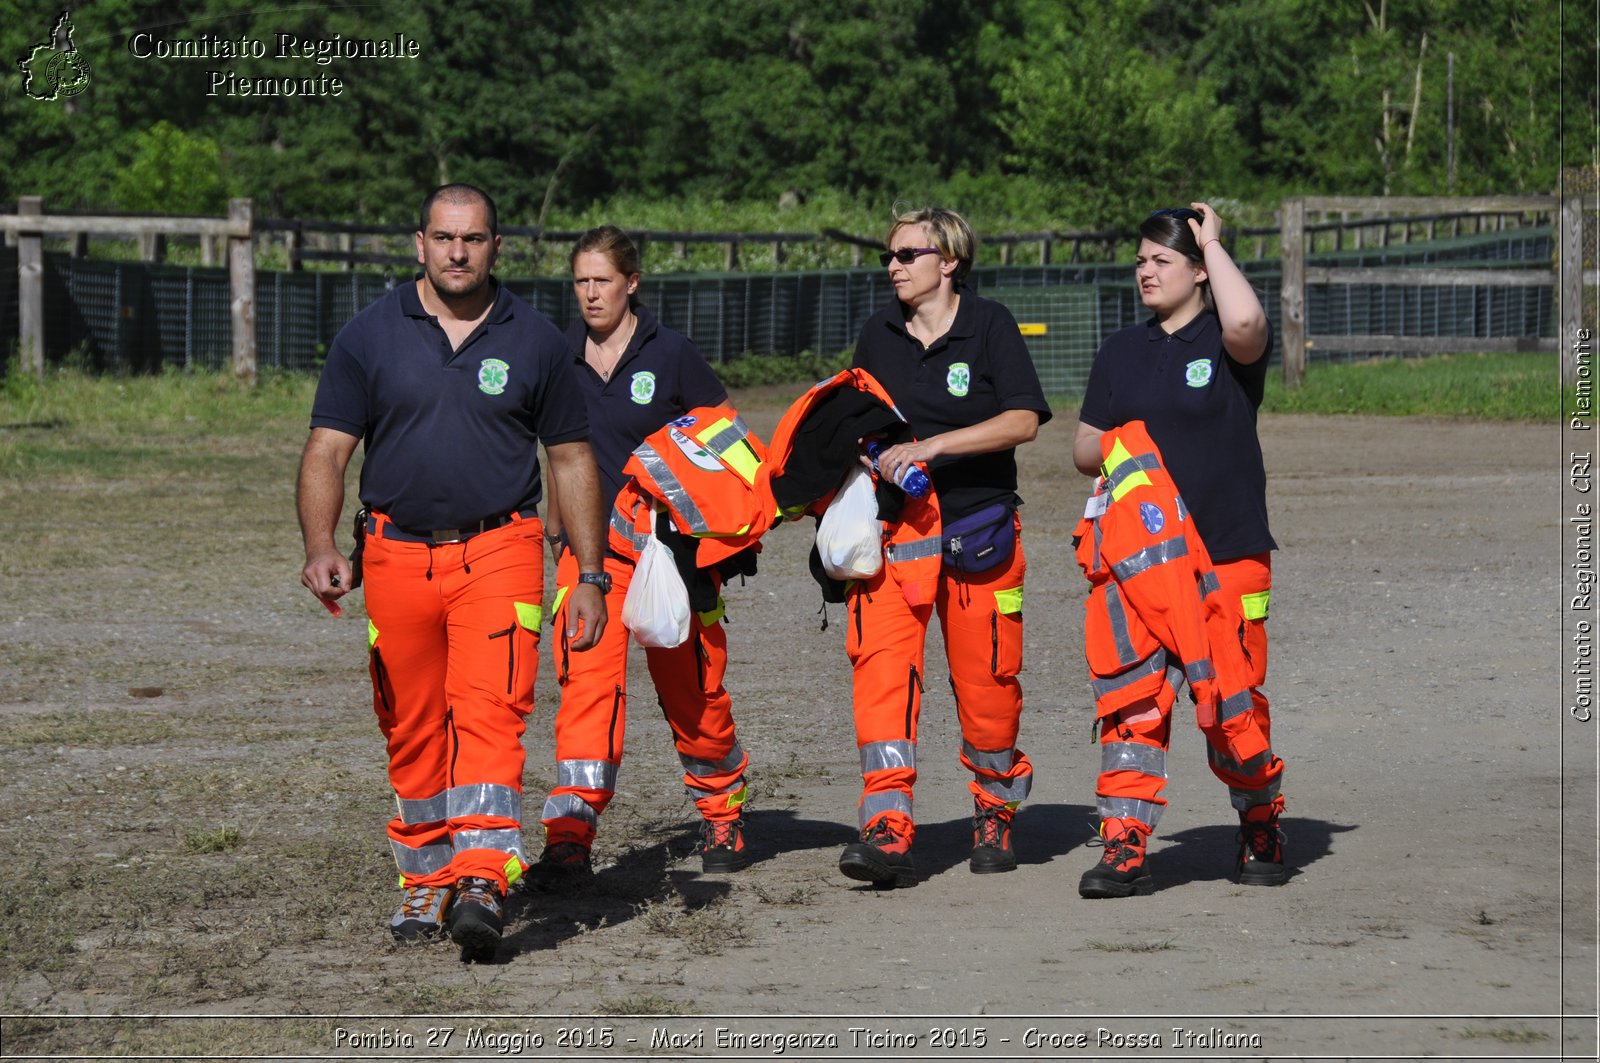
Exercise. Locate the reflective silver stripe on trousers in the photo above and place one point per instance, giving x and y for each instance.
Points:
(911, 551)
(880, 756)
(1133, 756)
(734, 758)
(1151, 665)
(734, 433)
(1117, 613)
(1254, 766)
(1129, 466)
(484, 799)
(1199, 670)
(415, 811)
(625, 528)
(1146, 812)
(507, 841)
(1209, 583)
(587, 774)
(1245, 800)
(421, 861)
(1233, 706)
(998, 761)
(1150, 557)
(671, 488)
(697, 792)
(568, 806)
(876, 804)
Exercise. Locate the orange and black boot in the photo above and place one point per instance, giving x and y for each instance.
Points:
(1121, 871)
(722, 846)
(477, 919)
(991, 840)
(1261, 847)
(882, 856)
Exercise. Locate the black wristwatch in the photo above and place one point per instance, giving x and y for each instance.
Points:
(599, 579)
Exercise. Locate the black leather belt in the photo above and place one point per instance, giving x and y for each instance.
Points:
(440, 536)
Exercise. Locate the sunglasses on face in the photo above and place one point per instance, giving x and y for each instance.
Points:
(906, 255)
(1181, 213)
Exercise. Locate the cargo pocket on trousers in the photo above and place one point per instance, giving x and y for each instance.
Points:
(522, 654)
(1005, 633)
(382, 689)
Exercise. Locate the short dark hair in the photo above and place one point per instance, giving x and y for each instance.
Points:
(458, 193)
(1172, 231)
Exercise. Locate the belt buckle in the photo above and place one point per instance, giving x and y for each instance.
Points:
(441, 536)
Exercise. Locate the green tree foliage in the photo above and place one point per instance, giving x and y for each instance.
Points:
(1043, 113)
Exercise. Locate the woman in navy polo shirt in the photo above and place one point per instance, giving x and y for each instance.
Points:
(1194, 373)
(957, 368)
(635, 375)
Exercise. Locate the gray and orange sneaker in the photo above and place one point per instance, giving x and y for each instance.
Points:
(421, 913)
(477, 919)
(722, 846)
(991, 840)
(1121, 871)
(882, 857)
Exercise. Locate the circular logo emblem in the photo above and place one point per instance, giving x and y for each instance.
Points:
(1197, 374)
(68, 73)
(642, 388)
(958, 381)
(493, 375)
(1154, 519)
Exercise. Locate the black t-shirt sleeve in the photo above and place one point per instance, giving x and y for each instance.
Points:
(1016, 381)
(341, 399)
(1096, 409)
(1252, 378)
(562, 415)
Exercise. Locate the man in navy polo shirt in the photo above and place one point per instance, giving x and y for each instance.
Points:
(452, 382)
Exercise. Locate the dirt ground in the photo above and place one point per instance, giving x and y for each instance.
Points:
(194, 800)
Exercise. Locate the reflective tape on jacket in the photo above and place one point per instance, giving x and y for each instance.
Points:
(911, 551)
(624, 527)
(1124, 471)
(1148, 558)
(1154, 664)
(1199, 671)
(673, 493)
(882, 756)
(1117, 615)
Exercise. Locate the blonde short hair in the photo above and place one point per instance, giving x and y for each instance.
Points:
(948, 231)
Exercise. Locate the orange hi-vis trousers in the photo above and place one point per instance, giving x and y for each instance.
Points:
(981, 617)
(591, 724)
(453, 636)
(1134, 740)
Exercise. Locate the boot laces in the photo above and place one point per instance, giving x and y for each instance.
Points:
(1261, 840)
(478, 891)
(880, 834)
(1120, 849)
(991, 826)
(418, 900)
(721, 834)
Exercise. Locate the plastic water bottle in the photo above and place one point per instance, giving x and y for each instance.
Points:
(913, 480)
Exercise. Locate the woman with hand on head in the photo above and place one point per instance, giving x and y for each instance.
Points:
(1194, 373)
(635, 375)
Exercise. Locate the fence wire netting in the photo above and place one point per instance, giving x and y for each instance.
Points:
(135, 316)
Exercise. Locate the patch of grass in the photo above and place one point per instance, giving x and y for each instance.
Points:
(756, 371)
(1500, 387)
(645, 1004)
(704, 930)
(216, 840)
(1131, 946)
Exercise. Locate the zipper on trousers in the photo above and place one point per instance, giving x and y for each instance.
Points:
(380, 680)
(611, 735)
(511, 653)
(913, 685)
(994, 641)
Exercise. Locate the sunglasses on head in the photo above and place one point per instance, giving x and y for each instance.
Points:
(1181, 213)
(906, 255)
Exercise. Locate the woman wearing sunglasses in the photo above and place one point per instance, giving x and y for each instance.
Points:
(957, 368)
(635, 375)
(1194, 373)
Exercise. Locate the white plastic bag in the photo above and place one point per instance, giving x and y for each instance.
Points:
(656, 609)
(849, 536)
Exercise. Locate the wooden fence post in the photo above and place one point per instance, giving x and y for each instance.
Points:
(242, 279)
(30, 290)
(1569, 280)
(1292, 249)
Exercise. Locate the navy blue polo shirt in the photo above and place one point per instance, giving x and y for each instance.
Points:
(661, 375)
(451, 435)
(1200, 408)
(979, 369)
